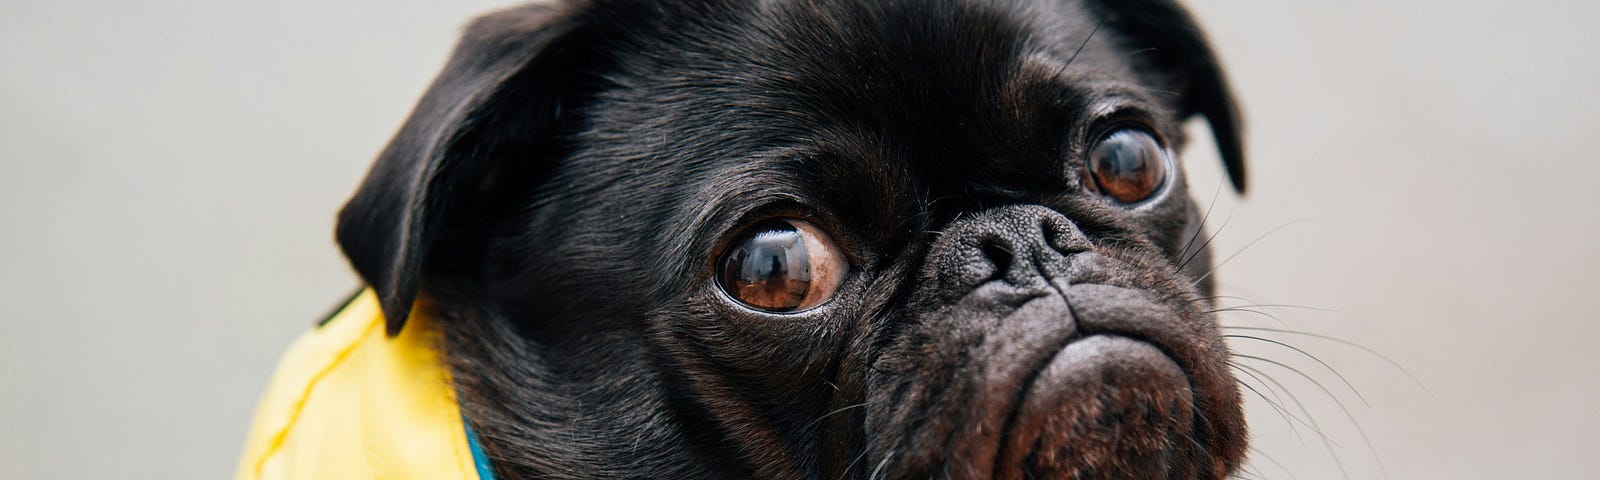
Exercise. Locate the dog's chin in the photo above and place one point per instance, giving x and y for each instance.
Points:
(1103, 406)
(1058, 403)
(1108, 378)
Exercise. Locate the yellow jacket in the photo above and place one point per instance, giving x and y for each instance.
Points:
(348, 402)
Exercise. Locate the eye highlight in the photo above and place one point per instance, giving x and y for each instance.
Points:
(782, 265)
(1128, 165)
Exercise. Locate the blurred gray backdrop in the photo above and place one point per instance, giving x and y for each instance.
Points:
(1425, 170)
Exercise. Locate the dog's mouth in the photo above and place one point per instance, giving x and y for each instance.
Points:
(1100, 399)
(1097, 381)
(1036, 355)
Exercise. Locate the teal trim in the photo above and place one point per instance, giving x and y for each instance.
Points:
(485, 471)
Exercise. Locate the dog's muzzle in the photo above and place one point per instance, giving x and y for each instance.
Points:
(1040, 356)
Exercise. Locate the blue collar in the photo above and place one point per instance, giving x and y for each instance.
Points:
(481, 461)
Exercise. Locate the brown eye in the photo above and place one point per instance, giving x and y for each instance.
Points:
(782, 266)
(1128, 165)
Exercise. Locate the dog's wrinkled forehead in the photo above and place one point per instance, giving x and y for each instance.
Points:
(929, 82)
(871, 108)
(863, 102)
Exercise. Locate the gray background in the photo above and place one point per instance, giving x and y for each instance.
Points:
(171, 170)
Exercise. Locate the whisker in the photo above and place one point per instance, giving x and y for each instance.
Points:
(1280, 305)
(1327, 443)
(1247, 247)
(1085, 43)
(832, 413)
(1281, 411)
(1243, 293)
(1373, 450)
(1162, 91)
(879, 468)
(1184, 253)
(1246, 470)
(1274, 461)
(1257, 312)
(1206, 243)
(1313, 358)
(852, 464)
(1361, 347)
(1214, 297)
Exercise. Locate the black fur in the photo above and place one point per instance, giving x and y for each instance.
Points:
(561, 193)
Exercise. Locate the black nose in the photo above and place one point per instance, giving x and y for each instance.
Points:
(1021, 245)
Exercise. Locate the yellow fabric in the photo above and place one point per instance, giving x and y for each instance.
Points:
(347, 402)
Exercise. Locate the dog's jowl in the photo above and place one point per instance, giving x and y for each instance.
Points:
(811, 239)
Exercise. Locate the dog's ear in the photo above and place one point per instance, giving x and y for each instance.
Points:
(502, 84)
(1179, 50)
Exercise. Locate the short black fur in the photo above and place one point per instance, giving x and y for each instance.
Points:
(559, 198)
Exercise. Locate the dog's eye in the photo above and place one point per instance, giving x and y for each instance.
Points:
(782, 266)
(1127, 165)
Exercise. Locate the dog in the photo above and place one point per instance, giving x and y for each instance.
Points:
(816, 239)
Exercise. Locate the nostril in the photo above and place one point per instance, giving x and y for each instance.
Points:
(998, 254)
(1051, 233)
(1065, 238)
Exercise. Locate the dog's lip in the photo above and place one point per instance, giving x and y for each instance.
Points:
(1150, 322)
(1104, 346)
(1050, 339)
(1125, 344)
(1075, 383)
(1102, 309)
(1185, 335)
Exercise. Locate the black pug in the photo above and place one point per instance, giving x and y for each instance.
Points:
(816, 239)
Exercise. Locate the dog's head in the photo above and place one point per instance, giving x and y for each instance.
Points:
(804, 238)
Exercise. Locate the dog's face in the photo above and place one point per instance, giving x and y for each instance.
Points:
(816, 239)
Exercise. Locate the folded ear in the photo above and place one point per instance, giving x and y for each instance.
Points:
(1179, 50)
(502, 82)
